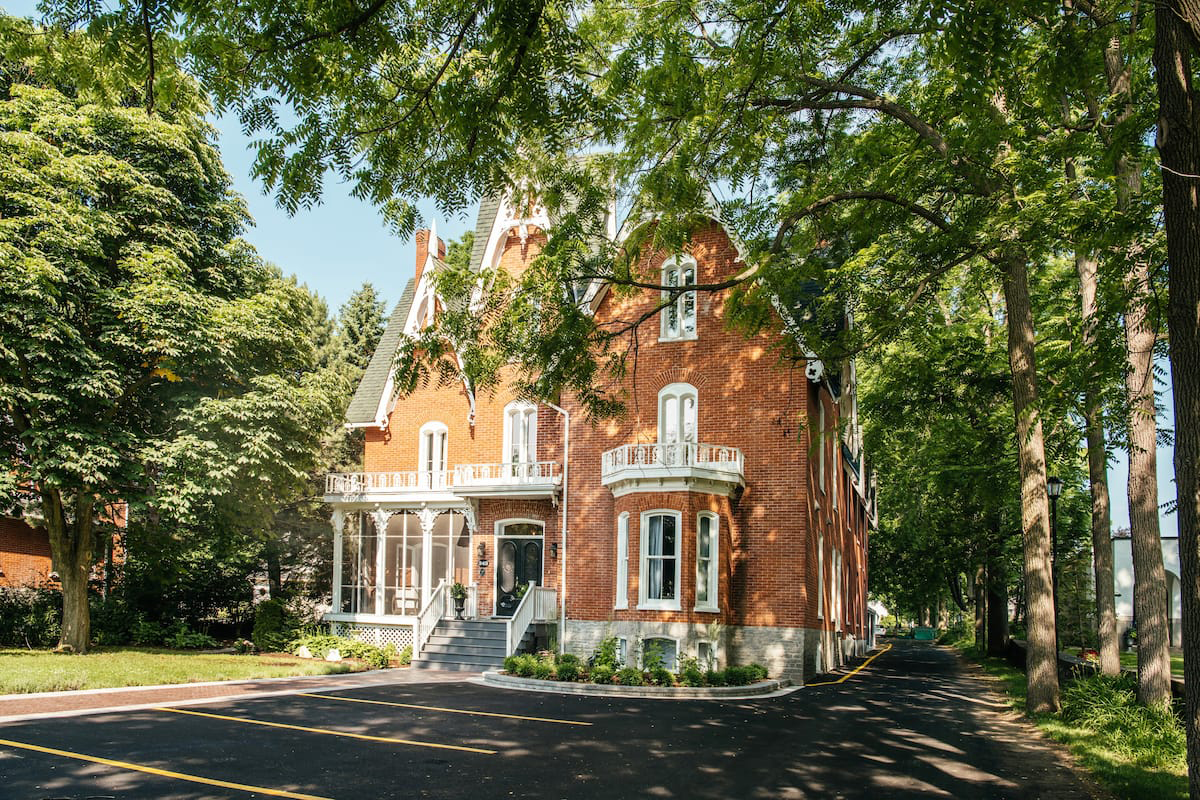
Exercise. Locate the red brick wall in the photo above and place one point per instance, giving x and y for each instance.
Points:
(24, 554)
(748, 397)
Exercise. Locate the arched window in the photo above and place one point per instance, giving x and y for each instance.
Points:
(677, 415)
(679, 318)
(431, 466)
(520, 438)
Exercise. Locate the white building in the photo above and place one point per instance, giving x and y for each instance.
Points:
(1123, 583)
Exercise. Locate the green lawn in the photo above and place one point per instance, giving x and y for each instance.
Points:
(1135, 765)
(46, 671)
(1130, 660)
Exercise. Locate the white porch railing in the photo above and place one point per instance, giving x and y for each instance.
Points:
(539, 604)
(528, 472)
(545, 604)
(472, 611)
(673, 454)
(431, 615)
(357, 483)
(518, 623)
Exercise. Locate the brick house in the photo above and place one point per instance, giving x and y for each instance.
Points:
(724, 516)
(25, 560)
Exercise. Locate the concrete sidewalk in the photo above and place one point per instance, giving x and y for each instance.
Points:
(127, 698)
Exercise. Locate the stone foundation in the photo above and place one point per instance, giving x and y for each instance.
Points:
(785, 652)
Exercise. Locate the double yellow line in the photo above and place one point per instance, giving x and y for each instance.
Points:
(854, 671)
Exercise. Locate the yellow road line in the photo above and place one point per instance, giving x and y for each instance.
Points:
(166, 773)
(854, 671)
(328, 732)
(444, 710)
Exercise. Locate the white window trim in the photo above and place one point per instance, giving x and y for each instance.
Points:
(820, 576)
(522, 411)
(622, 598)
(657, 636)
(714, 579)
(423, 447)
(821, 443)
(679, 391)
(645, 603)
(679, 263)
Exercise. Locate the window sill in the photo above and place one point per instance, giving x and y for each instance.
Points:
(706, 610)
(691, 338)
(652, 605)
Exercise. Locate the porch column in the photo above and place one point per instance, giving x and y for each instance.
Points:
(381, 516)
(470, 516)
(427, 516)
(338, 521)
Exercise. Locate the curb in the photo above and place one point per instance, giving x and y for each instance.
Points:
(772, 688)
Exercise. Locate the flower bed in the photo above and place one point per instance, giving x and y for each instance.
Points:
(567, 668)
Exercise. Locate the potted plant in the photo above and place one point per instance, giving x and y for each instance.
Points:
(459, 593)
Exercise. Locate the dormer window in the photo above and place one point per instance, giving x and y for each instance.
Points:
(679, 316)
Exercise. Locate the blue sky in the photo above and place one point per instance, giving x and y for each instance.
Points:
(337, 246)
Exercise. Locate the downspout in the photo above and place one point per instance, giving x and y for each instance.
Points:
(562, 582)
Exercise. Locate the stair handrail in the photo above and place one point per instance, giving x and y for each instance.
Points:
(430, 616)
(473, 601)
(516, 625)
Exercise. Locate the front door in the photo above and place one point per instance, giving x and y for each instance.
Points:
(520, 563)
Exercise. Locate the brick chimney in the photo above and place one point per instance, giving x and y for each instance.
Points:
(422, 252)
(422, 238)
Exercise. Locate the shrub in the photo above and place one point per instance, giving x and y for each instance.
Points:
(738, 676)
(758, 672)
(182, 637)
(568, 671)
(522, 666)
(568, 658)
(244, 647)
(320, 645)
(661, 676)
(602, 674)
(405, 656)
(691, 676)
(543, 670)
(629, 676)
(606, 654)
(714, 678)
(1108, 705)
(652, 657)
(30, 617)
(273, 628)
(147, 633)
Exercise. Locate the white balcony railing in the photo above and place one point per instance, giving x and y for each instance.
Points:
(517, 474)
(674, 454)
(358, 483)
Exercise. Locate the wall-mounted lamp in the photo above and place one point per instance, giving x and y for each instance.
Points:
(554, 549)
(482, 550)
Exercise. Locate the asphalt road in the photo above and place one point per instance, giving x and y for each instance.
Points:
(912, 724)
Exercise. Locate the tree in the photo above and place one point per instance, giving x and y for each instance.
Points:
(135, 328)
(1176, 39)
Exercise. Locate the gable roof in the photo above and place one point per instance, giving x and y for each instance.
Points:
(489, 207)
(370, 390)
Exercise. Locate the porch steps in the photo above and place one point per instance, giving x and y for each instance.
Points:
(464, 646)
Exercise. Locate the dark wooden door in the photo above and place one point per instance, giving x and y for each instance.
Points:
(519, 563)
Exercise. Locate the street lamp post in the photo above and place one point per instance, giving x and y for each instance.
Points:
(1054, 487)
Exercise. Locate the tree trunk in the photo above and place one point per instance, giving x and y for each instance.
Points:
(979, 595)
(1041, 663)
(1102, 555)
(72, 554)
(1149, 577)
(1177, 28)
(997, 610)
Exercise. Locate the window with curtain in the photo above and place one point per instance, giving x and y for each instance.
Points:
(679, 317)
(660, 560)
(706, 561)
